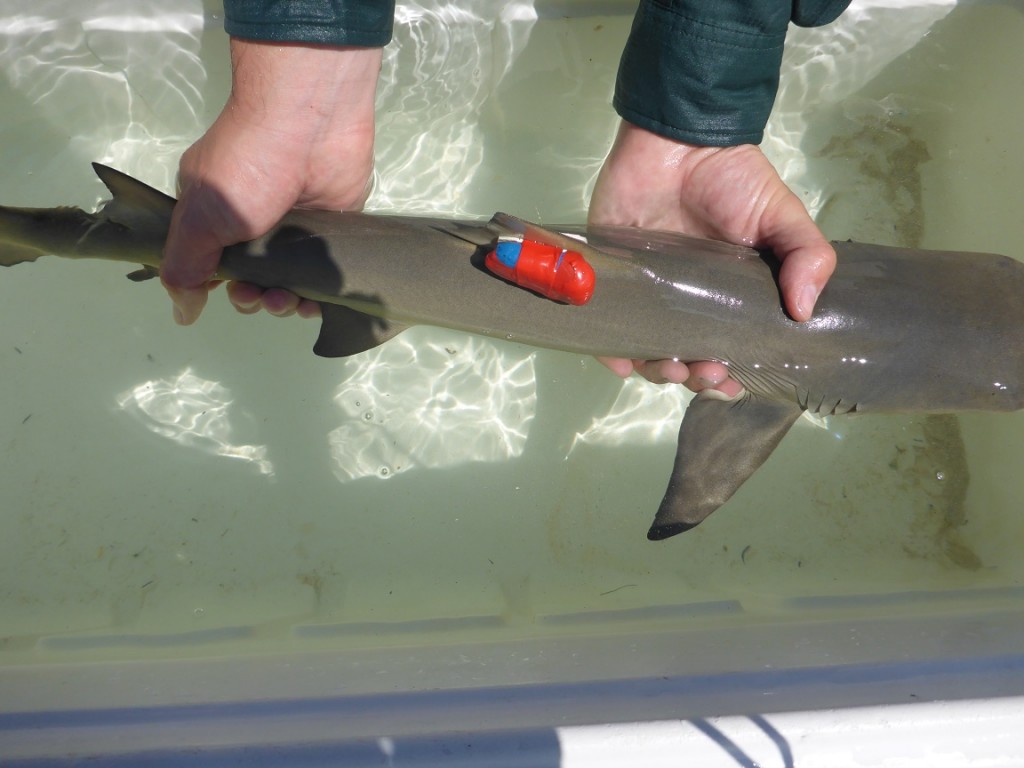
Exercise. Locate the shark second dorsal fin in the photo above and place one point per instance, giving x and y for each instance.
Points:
(721, 444)
(345, 331)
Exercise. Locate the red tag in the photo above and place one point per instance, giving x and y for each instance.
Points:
(554, 272)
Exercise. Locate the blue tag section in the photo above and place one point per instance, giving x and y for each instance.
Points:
(508, 252)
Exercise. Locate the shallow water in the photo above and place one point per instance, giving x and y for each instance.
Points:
(220, 489)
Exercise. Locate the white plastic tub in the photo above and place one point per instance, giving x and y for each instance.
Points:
(216, 547)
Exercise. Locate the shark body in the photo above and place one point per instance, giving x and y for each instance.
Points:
(895, 330)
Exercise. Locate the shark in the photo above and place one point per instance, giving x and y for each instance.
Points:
(895, 330)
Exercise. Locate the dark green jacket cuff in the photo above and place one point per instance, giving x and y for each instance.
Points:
(328, 22)
(707, 72)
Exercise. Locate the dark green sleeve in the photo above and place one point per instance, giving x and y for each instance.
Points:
(328, 22)
(706, 71)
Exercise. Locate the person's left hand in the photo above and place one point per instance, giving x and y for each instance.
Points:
(724, 193)
(297, 130)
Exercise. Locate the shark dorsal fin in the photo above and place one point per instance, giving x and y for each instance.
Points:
(132, 198)
(504, 223)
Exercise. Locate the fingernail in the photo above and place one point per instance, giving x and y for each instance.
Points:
(808, 297)
(184, 316)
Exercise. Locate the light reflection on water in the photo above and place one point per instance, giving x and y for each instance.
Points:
(128, 70)
(476, 405)
(641, 415)
(482, 106)
(193, 412)
(445, 63)
(825, 66)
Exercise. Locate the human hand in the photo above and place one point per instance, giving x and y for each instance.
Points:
(725, 193)
(297, 130)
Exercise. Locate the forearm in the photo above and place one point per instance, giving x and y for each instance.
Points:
(366, 23)
(707, 73)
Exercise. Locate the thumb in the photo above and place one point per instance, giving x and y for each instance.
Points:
(803, 275)
(192, 251)
(808, 260)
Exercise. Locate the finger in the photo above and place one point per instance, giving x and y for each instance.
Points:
(309, 309)
(803, 276)
(188, 303)
(662, 371)
(728, 387)
(279, 302)
(250, 299)
(808, 259)
(245, 297)
(655, 371)
(706, 374)
(620, 366)
(190, 259)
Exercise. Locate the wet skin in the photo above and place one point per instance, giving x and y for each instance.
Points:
(884, 330)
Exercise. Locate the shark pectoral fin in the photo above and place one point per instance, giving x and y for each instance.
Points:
(721, 444)
(13, 253)
(345, 331)
(146, 272)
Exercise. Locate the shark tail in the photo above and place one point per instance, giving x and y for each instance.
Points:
(131, 226)
(17, 228)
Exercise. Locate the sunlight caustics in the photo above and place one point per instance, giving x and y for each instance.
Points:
(193, 412)
(177, 482)
(131, 71)
(828, 66)
(641, 415)
(443, 68)
(476, 406)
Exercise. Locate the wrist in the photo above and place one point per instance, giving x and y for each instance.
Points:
(661, 155)
(643, 177)
(303, 90)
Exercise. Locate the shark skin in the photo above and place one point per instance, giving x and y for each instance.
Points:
(895, 330)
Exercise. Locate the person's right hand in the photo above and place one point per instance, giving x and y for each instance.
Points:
(297, 130)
